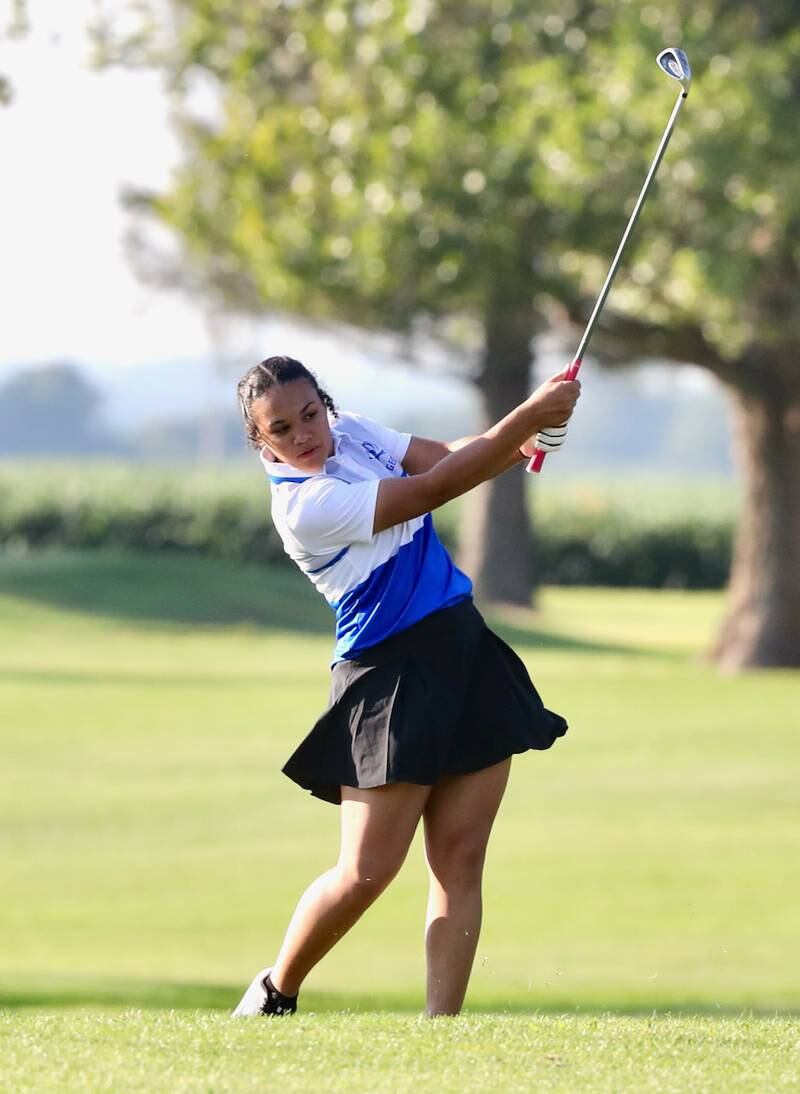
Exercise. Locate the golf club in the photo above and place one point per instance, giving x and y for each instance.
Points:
(676, 64)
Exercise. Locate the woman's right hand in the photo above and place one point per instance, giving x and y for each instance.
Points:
(553, 402)
(481, 459)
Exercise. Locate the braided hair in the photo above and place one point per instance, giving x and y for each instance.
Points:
(270, 373)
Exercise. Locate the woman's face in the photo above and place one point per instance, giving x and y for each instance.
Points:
(293, 424)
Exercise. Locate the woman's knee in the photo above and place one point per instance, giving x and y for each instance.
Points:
(457, 863)
(369, 876)
(458, 822)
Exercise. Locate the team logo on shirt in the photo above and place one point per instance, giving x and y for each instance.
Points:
(380, 454)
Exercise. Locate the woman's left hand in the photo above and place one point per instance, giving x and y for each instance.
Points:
(546, 440)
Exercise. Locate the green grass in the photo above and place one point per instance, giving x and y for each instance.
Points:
(196, 1051)
(641, 892)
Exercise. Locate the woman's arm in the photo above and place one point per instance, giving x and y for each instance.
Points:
(423, 454)
(478, 460)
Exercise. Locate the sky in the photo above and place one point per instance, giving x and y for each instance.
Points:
(71, 139)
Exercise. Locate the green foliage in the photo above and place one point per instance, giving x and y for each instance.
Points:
(650, 532)
(386, 160)
(720, 243)
(13, 24)
(130, 507)
(690, 554)
(467, 167)
(588, 534)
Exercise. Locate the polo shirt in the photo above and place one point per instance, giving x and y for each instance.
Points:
(376, 585)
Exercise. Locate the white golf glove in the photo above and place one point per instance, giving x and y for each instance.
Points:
(550, 440)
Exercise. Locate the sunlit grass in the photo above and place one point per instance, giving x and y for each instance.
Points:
(152, 851)
(194, 1051)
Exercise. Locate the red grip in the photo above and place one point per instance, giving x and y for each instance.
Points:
(535, 466)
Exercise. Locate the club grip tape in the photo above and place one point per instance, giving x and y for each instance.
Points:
(535, 466)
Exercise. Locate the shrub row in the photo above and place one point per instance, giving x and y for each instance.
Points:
(587, 539)
(226, 527)
(690, 556)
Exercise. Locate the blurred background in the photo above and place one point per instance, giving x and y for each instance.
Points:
(420, 200)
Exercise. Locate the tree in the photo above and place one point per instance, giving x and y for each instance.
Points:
(16, 24)
(50, 409)
(466, 164)
(717, 285)
(400, 165)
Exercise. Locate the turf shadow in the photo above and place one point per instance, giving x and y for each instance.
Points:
(521, 634)
(181, 681)
(167, 588)
(187, 589)
(177, 995)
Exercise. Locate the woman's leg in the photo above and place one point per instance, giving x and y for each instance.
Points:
(458, 820)
(377, 828)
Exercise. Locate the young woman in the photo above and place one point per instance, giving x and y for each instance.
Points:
(427, 705)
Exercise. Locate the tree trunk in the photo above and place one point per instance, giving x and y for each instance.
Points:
(762, 625)
(497, 539)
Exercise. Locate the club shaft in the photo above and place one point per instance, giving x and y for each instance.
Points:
(536, 463)
(612, 273)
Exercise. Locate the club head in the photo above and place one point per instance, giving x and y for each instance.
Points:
(675, 63)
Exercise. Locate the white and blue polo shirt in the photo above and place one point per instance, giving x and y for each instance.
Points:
(376, 584)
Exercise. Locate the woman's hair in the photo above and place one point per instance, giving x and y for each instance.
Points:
(268, 374)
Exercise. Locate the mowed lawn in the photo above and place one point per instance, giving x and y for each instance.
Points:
(642, 874)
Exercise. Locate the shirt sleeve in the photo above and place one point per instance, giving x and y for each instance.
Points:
(327, 514)
(396, 444)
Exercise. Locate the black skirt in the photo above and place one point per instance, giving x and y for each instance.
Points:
(446, 696)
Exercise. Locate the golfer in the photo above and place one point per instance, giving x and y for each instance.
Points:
(427, 705)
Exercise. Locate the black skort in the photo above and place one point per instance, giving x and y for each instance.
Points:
(446, 696)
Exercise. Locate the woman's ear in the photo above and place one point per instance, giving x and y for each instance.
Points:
(268, 454)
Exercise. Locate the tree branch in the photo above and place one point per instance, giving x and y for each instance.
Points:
(619, 341)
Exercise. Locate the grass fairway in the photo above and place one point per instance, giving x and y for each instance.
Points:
(201, 1052)
(641, 891)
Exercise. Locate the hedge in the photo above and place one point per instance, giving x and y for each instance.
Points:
(588, 534)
